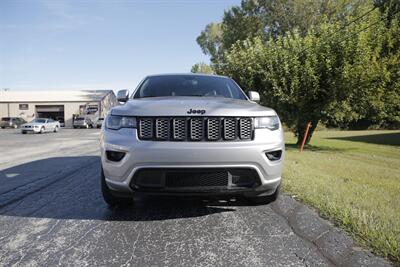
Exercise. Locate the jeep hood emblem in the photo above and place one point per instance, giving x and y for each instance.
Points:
(196, 111)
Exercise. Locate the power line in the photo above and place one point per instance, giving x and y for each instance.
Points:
(355, 20)
(351, 22)
(363, 29)
(359, 31)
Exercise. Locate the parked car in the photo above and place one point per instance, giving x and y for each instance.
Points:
(11, 122)
(61, 121)
(82, 122)
(40, 125)
(205, 137)
(99, 122)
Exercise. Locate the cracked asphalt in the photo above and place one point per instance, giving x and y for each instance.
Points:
(52, 214)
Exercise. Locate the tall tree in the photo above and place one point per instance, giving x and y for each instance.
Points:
(271, 18)
(335, 61)
(210, 41)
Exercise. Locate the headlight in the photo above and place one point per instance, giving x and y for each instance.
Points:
(271, 123)
(118, 122)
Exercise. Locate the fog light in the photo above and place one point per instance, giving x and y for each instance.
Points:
(274, 155)
(115, 155)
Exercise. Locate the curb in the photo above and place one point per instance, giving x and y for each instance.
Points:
(332, 242)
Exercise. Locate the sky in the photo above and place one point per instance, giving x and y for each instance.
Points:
(99, 44)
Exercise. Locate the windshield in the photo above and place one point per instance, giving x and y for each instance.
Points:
(189, 85)
(5, 119)
(39, 120)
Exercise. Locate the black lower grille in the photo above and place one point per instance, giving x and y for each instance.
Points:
(196, 128)
(194, 178)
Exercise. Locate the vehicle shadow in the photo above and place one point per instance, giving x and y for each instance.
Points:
(294, 146)
(69, 188)
(392, 139)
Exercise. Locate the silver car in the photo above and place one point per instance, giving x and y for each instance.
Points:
(82, 122)
(191, 134)
(11, 122)
(40, 125)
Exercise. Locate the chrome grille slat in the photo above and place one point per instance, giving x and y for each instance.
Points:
(162, 129)
(230, 128)
(146, 128)
(245, 129)
(179, 128)
(196, 128)
(213, 129)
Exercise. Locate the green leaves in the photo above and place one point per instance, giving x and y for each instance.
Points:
(336, 62)
(202, 68)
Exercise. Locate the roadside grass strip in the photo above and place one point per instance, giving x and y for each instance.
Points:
(353, 179)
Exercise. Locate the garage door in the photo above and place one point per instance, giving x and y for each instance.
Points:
(55, 112)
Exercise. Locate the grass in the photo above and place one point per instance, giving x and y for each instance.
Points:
(352, 178)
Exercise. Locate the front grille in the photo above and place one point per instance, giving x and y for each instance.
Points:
(196, 128)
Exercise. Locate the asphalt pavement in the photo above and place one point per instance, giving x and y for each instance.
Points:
(52, 214)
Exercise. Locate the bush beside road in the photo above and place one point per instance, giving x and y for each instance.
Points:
(352, 178)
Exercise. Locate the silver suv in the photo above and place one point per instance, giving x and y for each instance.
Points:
(191, 134)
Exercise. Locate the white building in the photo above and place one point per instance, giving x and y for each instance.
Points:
(58, 105)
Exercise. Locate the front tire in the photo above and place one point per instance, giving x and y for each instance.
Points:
(55, 129)
(41, 130)
(109, 198)
(23, 132)
(263, 200)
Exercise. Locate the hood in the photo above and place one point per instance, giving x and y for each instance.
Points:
(179, 106)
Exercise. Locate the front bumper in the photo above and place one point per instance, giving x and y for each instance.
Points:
(31, 130)
(187, 155)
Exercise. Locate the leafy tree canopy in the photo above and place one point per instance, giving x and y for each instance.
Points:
(332, 61)
(202, 68)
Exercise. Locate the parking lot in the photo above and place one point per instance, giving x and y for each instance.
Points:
(52, 213)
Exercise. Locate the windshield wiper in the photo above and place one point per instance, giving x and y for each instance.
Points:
(147, 96)
(169, 96)
(190, 95)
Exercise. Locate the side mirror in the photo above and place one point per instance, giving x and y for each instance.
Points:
(123, 95)
(254, 96)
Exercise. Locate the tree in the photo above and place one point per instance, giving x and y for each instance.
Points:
(270, 18)
(210, 41)
(336, 61)
(202, 68)
(322, 76)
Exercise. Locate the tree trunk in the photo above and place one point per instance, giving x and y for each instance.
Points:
(301, 129)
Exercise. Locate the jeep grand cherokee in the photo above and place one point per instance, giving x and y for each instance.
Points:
(191, 134)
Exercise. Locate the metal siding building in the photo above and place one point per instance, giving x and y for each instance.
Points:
(56, 104)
